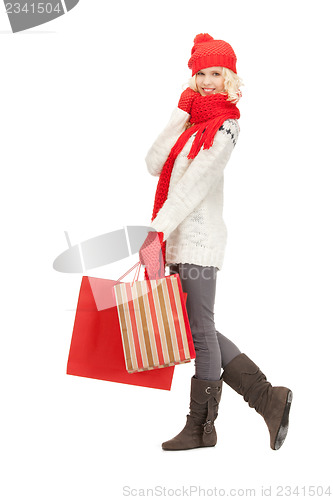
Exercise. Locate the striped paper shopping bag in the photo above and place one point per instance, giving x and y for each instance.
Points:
(154, 323)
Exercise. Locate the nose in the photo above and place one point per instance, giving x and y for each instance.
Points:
(207, 81)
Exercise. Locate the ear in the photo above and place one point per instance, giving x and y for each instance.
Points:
(194, 83)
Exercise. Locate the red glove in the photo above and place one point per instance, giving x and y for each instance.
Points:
(186, 100)
(151, 256)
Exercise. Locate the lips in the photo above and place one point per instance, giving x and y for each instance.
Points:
(208, 90)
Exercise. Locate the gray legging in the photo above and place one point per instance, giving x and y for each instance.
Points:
(213, 350)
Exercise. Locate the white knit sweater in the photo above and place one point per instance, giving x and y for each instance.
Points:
(191, 217)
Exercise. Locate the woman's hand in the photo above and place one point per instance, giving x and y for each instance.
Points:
(150, 255)
(186, 100)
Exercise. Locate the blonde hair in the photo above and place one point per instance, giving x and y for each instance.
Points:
(232, 82)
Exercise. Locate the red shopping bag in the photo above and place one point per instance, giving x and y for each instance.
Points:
(96, 349)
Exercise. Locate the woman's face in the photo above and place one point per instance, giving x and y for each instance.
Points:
(210, 80)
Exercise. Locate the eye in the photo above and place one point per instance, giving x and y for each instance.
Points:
(216, 74)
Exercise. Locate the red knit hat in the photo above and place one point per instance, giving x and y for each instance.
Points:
(207, 52)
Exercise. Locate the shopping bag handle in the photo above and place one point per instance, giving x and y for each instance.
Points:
(137, 272)
(136, 276)
(127, 272)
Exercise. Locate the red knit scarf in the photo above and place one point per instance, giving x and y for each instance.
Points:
(207, 115)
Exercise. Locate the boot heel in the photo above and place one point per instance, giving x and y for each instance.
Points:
(283, 430)
(290, 397)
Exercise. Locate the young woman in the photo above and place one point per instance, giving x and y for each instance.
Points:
(189, 157)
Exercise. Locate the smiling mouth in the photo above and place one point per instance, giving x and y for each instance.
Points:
(208, 90)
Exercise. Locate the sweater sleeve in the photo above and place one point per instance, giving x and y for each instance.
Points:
(202, 174)
(159, 151)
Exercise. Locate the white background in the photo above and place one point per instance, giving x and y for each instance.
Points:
(82, 99)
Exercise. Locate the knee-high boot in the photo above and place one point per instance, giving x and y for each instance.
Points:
(272, 403)
(199, 430)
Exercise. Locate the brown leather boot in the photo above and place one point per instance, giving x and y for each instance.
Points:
(199, 430)
(272, 403)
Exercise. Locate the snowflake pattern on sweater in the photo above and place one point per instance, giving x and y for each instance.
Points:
(192, 215)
